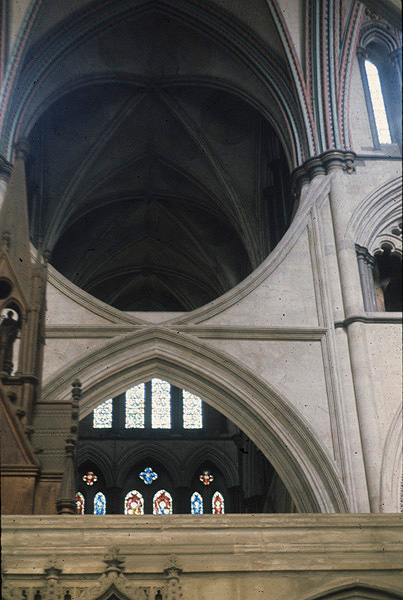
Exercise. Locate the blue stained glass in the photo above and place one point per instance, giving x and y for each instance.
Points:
(99, 504)
(148, 475)
(160, 404)
(103, 415)
(196, 504)
(192, 411)
(134, 404)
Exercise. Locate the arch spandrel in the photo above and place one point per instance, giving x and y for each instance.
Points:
(230, 388)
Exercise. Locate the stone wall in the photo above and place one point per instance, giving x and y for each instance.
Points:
(247, 557)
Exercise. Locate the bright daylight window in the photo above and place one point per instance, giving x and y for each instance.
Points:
(378, 104)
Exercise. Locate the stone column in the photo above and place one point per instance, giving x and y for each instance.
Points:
(357, 343)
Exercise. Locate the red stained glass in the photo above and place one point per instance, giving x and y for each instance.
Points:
(80, 503)
(134, 503)
(90, 478)
(218, 504)
(206, 477)
(162, 503)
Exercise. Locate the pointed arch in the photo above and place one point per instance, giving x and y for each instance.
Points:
(373, 219)
(218, 458)
(149, 452)
(100, 459)
(261, 412)
(352, 591)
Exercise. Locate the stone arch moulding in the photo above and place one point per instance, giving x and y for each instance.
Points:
(354, 591)
(304, 466)
(391, 472)
(374, 218)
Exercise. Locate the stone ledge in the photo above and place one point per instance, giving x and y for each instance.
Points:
(207, 543)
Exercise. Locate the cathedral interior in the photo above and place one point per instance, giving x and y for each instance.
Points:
(201, 299)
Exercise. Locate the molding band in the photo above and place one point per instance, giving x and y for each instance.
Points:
(392, 318)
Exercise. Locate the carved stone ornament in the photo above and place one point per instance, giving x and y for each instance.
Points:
(114, 584)
(52, 572)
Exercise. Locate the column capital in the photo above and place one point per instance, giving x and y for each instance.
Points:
(323, 164)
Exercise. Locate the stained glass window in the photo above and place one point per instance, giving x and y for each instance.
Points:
(218, 504)
(192, 411)
(103, 415)
(134, 503)
(99, 504)
(160, 404)
(162, 503)
(80, 502)
(90, 478)
(134, 403)
(148, 475)
(196, 504)
(206, 477)
(378, 104)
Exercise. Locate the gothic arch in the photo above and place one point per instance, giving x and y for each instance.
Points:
(355, 591)
(218, 458)
(228, 386)
(100, 459)
(153, 452)
(374, 218)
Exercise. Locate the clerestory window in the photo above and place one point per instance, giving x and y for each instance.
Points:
(153, 405)
(380, 62)
(377, 103)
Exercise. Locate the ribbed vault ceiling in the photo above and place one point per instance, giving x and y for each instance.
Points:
(155, 193)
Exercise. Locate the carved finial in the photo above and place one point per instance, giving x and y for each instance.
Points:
(113, 560)
(21, 149)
